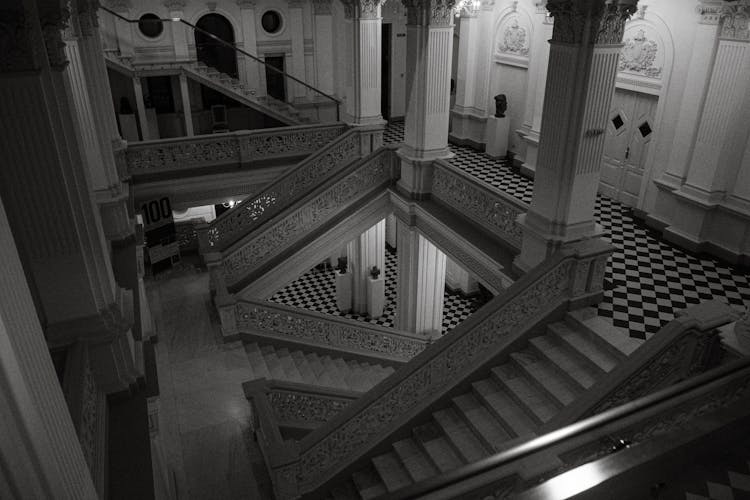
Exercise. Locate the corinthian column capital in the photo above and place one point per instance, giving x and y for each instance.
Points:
(362, 9)
(429, 12)
(606, 20)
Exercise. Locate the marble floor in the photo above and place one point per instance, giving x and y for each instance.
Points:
(205, 425)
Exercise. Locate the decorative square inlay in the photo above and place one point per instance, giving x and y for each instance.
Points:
(645, 129)
(618, 122)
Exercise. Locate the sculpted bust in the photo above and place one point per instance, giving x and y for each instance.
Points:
(501, 105)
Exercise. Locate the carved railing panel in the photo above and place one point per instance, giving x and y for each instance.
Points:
(252, 212)
(332, 332)
(270, 241)
(487, 206)
(443, 365)
(307, 409)
(235, 148)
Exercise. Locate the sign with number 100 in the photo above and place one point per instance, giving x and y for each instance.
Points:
(156, 213)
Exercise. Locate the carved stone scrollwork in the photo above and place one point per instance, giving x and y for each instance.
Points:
(252, 317)
(305, 408)
(478, 204)
(88, 21)
(283, 233)
(362, 9)
(432, 376)
(17, 51)
(54, 20)
(88, 423)
(709, 13)
(734, 22)
(435, 13)
(607, 20)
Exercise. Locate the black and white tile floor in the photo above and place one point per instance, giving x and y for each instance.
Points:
(647, 280)
(316, 291)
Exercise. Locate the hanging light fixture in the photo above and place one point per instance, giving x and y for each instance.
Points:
(471, 7)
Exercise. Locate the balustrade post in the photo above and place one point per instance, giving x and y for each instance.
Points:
(587, 273)
(227, 306)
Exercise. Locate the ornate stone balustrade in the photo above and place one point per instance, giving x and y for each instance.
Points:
(360, 179)
(566, 278)
(232, 148)
(331, 332)
(299, 405)
(487, 206)
(249, 214)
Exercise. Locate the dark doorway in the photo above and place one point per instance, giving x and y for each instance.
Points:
(385, 84)
(212, 52)
(274, 80)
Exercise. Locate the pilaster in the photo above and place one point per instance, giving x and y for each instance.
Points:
(251, 72)
(584, 52)
(429, 32)
(296, 25)
(364, 252)
(421, 283)
(323, 43)
(187, 110)
(141, 108)
(364, 83)
(180, 33)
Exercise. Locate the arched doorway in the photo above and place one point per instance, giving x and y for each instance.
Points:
(212, 52)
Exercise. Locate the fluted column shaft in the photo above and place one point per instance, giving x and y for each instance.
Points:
(421, 284)
(323, 44)
(429, 42)
(584, 52)
(364, 252)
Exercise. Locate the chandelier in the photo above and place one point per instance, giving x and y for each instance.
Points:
(471, 7)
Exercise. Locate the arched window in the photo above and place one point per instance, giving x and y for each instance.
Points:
(211, 51)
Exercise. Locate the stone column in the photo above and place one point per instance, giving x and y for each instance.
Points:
(180, 32)
(538, 63)
(469, 113)
(297, 68)
(46, 190)
(141, 108)
(364, 252)
(39, 439)
(251, 72)
(187, 110)
(584, 52)
(696, 86)
(323, 21)
(421, 284)
(722, 127)
(364, 82)
(110, 192)
(429, 42)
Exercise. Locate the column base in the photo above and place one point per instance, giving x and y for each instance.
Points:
(416, 170)
(113, 207)
(542, 239)
(531, 138)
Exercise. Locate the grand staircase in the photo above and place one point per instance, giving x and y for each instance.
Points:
(214, 79)
(328, 371)
(510, 405)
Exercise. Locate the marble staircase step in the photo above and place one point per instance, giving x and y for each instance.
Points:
(313, 361)
(537, 404)
(617, 340)
(368, 483)
(273, 363)
(564, 361)
(305, 371)
(485, 426)
(460, 436)
(505, 409)
(416, 462)
(288, 365)
(257, 361)
(588, 352)
(392, 472)
(436, 445)
(543, 375)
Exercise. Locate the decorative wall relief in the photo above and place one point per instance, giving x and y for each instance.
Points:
(639, 55)
(513, 40)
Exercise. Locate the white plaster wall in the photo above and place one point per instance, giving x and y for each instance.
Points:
(511, 81)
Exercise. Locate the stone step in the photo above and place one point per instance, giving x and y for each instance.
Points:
(460, 436)
(300, 361)
(579, 342)
(417, 463)
(564, 361)
(524, 392)
(543, 375)
(368, 484)
(257, 361)
(504, 407)
(288, 365)
(313, 361)
(273, 363)
(487, 428)
(613, 338)
(436, 445)
(391, 471)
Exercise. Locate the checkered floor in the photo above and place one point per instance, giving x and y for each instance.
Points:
(316, 291)
(647, 280)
